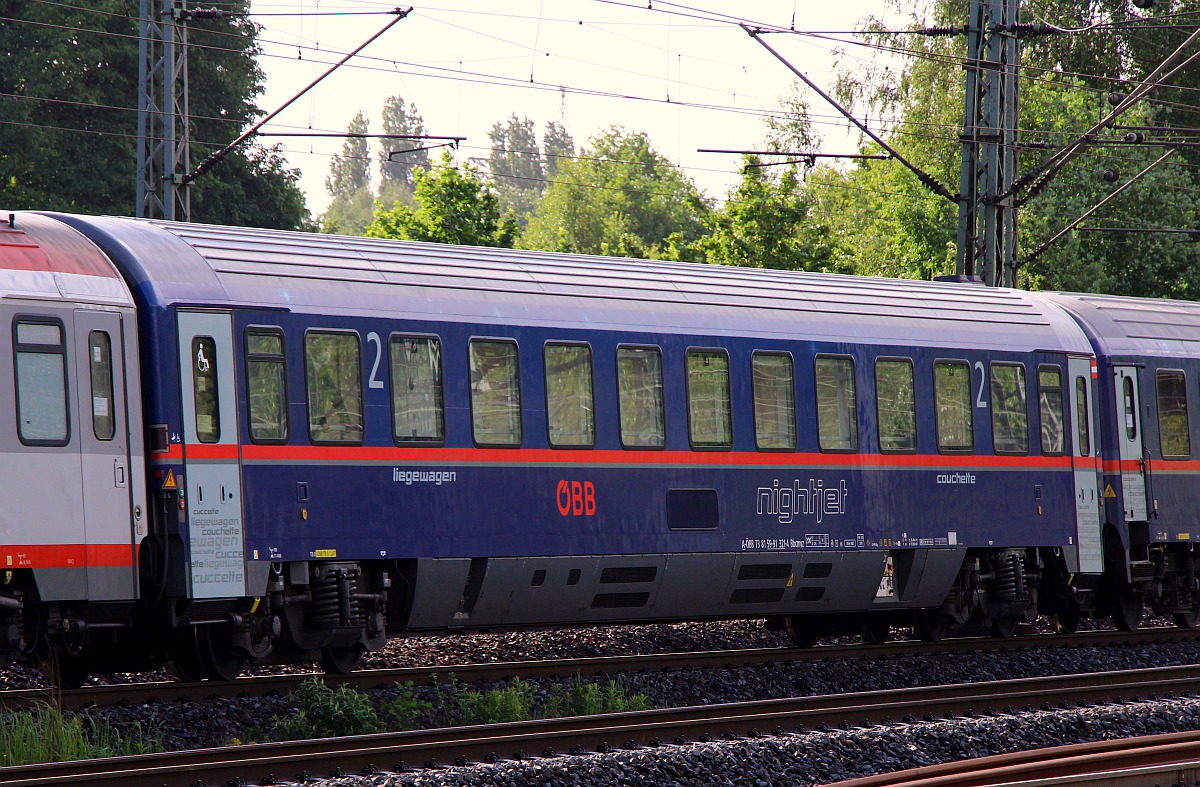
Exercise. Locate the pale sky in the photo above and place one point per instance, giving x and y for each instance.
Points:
(688, 82)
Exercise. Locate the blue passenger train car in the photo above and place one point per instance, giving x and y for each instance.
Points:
(348, 438)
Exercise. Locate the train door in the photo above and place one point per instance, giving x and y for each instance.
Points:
(211, 455)
(1085, 454)
(104, 454)
(1129, 440)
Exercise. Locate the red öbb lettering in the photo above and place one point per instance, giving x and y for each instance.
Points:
(576, 498)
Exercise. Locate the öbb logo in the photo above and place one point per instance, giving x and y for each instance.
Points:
(576, 498)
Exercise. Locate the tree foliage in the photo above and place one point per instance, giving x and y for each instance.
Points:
(69, 92)
(516, 165)
(451, 205)
(621, 197)
(400, 159)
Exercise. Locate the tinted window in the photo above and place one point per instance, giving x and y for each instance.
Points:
(570, 410)
(1050, 408)
(266, 381)
(100, 364)
(204, 389)
(1010, 419)
(640, 397)
(837, 408)
(495, 393)
(333, 378)
(774, 401)
(952, 395)
(1173, 414)
(1130, 408)
(1083, 429)
(418, 413)
(710, 423)
(41, 380)
(896, 405)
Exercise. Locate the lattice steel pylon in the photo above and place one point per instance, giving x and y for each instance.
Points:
(987, 225)
(164, 154)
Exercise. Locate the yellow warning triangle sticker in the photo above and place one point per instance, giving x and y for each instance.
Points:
(170, 482)
(1108, 491)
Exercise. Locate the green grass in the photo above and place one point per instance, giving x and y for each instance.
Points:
(45, 734)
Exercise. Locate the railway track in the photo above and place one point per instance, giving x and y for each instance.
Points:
(469, 673)
(399, 752)
(1127, 762)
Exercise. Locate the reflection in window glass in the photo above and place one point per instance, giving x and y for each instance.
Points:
(952, 394)
(640, 397)
(837, 409)
(1050, 407)
(774, 401)
(100, 363)
(570, 411)
(266, 379)
(895, 399)
(41, 380)
(418, 414)
(1083, 429)
(1010, 419)
(495, 393)
(204, 389)
(333, 378)
(709, 418)
(1173, 414)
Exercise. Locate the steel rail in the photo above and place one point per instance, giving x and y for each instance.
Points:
(266, 763)
(1171, 758)
(257, 686)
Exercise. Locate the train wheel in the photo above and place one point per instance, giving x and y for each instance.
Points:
(1189, 618)
(1004, 627)
(1068, 617)
(802, 636)
(929, 625)
(66, 671)
(1127, 610)
(218, 660)
(876, 632)
(339, 661)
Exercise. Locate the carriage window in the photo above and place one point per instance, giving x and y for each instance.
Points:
(41, 365)
(204, 389)
(1173, 414)
(100, 363)
(1010, 412)
(896, 405)
(266, 381)
(495, 393)
(710, 423)
(837, 408)
(418, 412)
(640, 397)
(333, 377)
(570, 410)
(1130, 409)
(952, 394)
(1081, 416)
(774, 401)
(1050, 408)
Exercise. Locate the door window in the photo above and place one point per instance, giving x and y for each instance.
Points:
(1082, 427)
(1130, 409)
(100, 362)
(204, 389)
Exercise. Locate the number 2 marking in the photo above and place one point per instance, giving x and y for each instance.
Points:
(373, 338)
(979, 401)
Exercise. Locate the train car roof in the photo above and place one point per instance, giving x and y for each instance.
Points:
(44, 260)
(174, 263)
(1136, 326)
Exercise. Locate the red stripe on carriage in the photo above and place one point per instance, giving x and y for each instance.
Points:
(66, 555)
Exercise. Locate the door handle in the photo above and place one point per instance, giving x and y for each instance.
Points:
(118, 473)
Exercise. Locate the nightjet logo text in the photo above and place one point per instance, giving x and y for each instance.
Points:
(813, 500)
